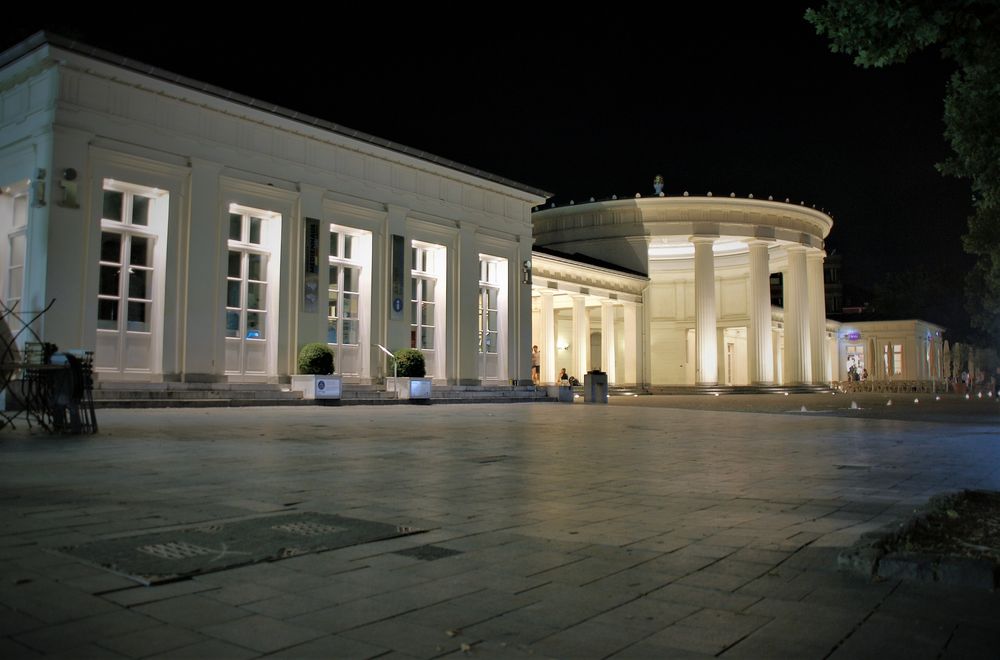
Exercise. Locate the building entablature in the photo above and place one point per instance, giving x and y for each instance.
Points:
(566, 276)
(199, 119)
(660, 217)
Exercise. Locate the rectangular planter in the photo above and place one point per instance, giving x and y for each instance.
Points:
(318, 387)
(418, 389)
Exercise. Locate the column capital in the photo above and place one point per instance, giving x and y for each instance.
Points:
(760, 242)
(547, 292)
(703, 240)
(796, 248)
(815, 253)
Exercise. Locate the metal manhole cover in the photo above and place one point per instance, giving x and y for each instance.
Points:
(170, 555)
(307, 528)
(174, 550)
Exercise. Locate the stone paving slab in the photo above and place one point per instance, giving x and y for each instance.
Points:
(657, 527)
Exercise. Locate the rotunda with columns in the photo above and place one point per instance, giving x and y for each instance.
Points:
(677, 290)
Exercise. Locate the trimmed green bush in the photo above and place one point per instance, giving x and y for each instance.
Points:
(410, 362)
(316, 359)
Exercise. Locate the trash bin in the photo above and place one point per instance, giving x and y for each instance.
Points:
(595, 387)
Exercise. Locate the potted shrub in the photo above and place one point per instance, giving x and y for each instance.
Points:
(411, 381)
(315, 379)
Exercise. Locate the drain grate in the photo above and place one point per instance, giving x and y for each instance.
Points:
(175, 550)
(307, 528)
(428, 552)
(491, 459)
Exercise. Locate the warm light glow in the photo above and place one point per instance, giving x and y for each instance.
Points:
(686, 250)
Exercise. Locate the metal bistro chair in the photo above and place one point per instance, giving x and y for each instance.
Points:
(49, 387)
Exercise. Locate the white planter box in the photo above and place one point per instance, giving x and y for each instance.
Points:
(318, 387)
(409, 388)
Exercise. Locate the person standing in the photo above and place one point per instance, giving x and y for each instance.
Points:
(536, 365)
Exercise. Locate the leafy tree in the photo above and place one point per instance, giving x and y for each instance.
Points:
(967, 32)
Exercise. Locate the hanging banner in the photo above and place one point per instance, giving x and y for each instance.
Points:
(397, 287)
(310, 280)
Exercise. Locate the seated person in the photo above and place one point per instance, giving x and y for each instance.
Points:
(563, 377)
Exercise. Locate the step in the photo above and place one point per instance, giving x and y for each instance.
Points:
(196, 403)
(138, 395)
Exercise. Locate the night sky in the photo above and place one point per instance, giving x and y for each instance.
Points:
(745, 100)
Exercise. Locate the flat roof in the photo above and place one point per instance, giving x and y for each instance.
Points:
(41, 38)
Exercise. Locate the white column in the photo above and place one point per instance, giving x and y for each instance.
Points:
(760, 352)
(581, 337)
(633, 348)
(59, 269)
(466, 344)
(547, 348)
(608, 339)
(519, 342)
(397, 330)
(798, 356)
(706, 344)
(204, 357)
(817, 315)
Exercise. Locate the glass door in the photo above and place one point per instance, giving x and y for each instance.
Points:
(246, 298)
(125, 300)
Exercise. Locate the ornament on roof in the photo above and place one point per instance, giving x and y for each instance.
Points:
(658, 184)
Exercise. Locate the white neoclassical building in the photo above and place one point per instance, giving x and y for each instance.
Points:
(187, 233)
(688, 300)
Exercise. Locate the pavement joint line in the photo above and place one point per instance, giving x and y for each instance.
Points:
(552, 568)
(864, 619)
(951, 636)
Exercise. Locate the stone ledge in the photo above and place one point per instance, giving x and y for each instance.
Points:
(874, 556)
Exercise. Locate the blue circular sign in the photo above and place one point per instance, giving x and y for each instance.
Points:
(397, 304)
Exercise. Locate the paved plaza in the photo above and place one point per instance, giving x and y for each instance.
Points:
(653, 527)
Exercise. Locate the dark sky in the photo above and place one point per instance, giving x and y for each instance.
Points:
(744, 100)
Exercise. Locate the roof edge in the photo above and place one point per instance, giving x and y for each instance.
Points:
(42, 38)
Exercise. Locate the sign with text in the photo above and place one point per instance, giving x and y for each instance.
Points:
(310, 280)
(397, 287)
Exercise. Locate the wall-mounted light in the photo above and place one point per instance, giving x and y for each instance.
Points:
(38, 188)
(68, 185)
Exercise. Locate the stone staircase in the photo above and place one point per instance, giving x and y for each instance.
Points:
(732, 389)
(193, 395)
(373, 395)
(221, 395)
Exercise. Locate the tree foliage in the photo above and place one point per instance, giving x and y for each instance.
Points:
(967, 32)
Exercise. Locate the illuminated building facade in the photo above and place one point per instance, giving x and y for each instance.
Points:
(190, 234)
